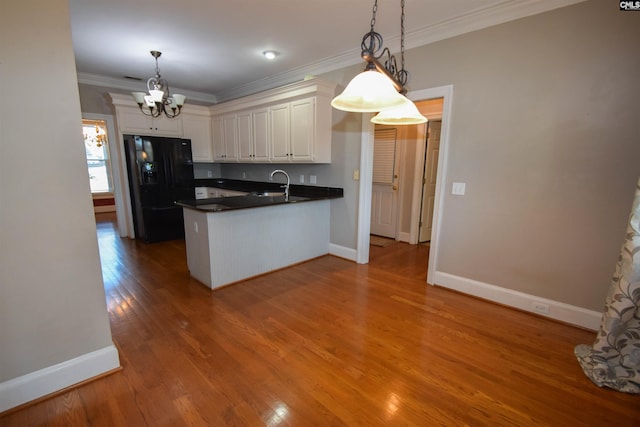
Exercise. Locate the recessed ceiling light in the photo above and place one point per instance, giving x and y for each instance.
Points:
(270, 54)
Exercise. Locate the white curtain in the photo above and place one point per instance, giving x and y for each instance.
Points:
(614, 358)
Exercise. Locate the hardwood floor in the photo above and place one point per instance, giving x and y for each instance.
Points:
(328, 343)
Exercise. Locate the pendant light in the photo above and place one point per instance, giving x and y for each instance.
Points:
(380, 87)
(368, 92)
(405, 114)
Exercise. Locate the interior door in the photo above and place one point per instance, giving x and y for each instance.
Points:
(429, 180)
(384, 197)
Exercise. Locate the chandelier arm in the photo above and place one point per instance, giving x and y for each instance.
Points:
(173, 109)
(371, 59)
(144, 112)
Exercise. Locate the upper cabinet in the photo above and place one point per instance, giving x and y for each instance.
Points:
(288, 124)
(194, 123)
(198, 129)
(291, 123)
(260, 145)
(133, 121)
(224, 136)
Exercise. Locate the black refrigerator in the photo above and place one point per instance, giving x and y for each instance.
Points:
(160, 172)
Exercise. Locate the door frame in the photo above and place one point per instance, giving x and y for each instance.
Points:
(366, 176)
(114, 154)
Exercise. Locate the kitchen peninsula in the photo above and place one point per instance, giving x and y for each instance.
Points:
(254, 230)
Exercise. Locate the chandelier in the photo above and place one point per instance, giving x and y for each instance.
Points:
(158, 101)
(94, 133)
(380, 87)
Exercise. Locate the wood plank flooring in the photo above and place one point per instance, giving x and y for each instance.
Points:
(324, 343)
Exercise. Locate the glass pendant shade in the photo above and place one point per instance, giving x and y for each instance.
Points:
(368, 92)
(405, 114)
(157, 95)
(179, 99)
(139, 97)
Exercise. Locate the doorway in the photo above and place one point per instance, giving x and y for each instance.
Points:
(113, 165)
(384, 196)
(366, 180)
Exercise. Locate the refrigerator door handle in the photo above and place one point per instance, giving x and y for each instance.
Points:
(168, 168)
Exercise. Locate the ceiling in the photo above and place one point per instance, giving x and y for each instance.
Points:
(212, 50)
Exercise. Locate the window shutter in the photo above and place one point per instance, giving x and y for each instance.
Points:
(384, 156)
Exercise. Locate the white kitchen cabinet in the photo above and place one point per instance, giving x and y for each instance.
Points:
(133, 121)
(201, 192)
(279, 121)
(253, 136)
(244, 136)
(293, 131)
(302, 128)
(261, 134)
(292, 123)
(224, 136)
(198, 130)
(213, 192)
(217, 139)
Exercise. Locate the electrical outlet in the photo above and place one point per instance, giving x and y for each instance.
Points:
(458, 188)
(301, 179)
(312, 179)
(540, 307)
(244, 175)
(195, 227)
(209, 174)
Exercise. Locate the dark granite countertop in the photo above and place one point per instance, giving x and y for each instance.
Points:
(258, 194)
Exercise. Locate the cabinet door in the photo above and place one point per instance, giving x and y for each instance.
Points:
(230, 137)
(217, 138)
(245, 136)
(302, 129)
(279, 120)
(132, 120)
(261, 136)
(198, 130)
(167, 127)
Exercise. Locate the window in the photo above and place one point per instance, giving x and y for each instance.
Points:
(95, 144)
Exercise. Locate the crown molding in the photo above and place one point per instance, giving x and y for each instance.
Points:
(130, 85)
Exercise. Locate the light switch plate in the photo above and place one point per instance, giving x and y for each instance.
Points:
(458, 188)
(312, 179)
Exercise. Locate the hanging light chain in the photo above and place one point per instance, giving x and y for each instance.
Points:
(402, 75)
(373, 15)
(372, 44)
(402, 34)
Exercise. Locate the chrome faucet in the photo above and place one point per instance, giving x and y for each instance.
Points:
(286, 187)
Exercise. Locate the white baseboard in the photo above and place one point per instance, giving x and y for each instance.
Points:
(404, 237)
(557, 310)
(26, 388)
(343, 252)
(106, 208)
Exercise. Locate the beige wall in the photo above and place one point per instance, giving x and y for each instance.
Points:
(545, 133)
(52, 301)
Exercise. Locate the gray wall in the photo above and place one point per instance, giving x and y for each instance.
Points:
(545, 133)
(52, 301)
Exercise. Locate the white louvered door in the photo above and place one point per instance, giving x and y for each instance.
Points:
(384, 197)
